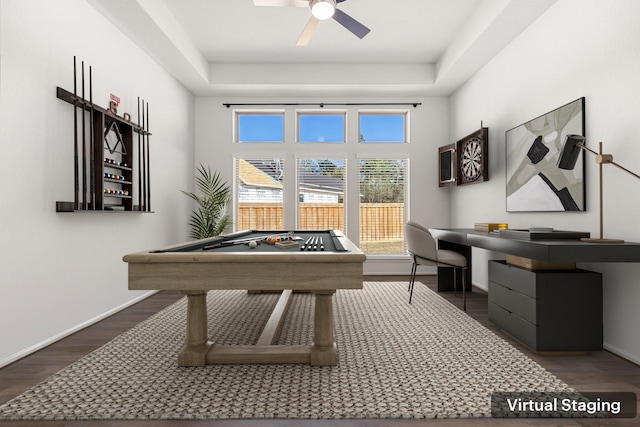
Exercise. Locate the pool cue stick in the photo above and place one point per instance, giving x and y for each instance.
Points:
(84, 148)
(232, 243)
(321, 244)
(76, 185)
(139, 164)
(303, 247)
(144, 164)
(92, 178)
(222, 245)
(147, 133)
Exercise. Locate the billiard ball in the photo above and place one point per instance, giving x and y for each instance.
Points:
(252, 244)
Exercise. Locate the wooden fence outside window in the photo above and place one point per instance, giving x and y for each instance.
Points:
(381, 224)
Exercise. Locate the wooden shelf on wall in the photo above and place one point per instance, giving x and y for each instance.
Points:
(106, 165)
(107, 208)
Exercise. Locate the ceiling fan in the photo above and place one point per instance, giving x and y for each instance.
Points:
(320, 11)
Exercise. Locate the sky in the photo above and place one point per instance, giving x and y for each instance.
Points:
(327, 128)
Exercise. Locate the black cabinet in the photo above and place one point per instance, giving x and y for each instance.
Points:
(548, 310)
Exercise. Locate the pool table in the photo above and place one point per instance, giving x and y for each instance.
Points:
(319, 262)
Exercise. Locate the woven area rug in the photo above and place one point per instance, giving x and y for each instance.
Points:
(424, 360)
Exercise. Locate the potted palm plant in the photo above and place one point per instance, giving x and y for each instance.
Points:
(211, 218)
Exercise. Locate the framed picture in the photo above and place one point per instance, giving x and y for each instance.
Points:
(534, 182)
(446, 165)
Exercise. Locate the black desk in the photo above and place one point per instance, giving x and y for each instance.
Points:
(461, 240)
(557, 251)
(555, 308)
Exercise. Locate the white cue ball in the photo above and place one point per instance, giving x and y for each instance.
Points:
(253, 244)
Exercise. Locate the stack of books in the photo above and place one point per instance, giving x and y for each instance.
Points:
(489, 227)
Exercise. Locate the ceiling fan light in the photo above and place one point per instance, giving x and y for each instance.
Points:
(323, 9)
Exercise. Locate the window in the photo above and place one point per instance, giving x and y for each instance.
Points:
(383, 127)
(259, 184)
(352, 178)
(321, 188)
(259, 127)
(325, 127)
(383, 197)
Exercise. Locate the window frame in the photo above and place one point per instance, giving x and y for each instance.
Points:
(351, 150)
(406, 159)
(236, 124)
(403, 112)
(301, 156)
(236, 203)
(343, 113)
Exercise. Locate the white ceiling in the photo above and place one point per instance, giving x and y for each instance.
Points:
(231, 47)
(268, 34)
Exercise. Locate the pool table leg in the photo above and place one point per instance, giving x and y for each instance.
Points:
(323, 351)
(196, 344)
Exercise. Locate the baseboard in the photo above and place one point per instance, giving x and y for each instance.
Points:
(480, 286)
(622, 353)
(58, 337)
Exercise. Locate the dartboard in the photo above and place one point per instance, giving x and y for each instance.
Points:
(471, 159)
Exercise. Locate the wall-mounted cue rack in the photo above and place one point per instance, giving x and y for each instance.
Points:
(105, 161)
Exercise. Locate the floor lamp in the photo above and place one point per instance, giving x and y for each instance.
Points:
(568, 159)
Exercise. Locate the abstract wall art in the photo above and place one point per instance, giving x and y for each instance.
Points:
(534, 182)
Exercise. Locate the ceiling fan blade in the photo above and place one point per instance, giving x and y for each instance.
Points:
(282, 3)
(350, 24)
(308, 31)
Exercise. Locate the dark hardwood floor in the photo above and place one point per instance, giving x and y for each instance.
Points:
(597, 371)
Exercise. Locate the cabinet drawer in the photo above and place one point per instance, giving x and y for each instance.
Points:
(513, 324)
(513, 301)
(518, 279)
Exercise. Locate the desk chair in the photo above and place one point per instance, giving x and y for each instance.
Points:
(422, 248)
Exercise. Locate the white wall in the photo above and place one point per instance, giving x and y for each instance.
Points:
(577, 48)
(59, 271)
(428, 131)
